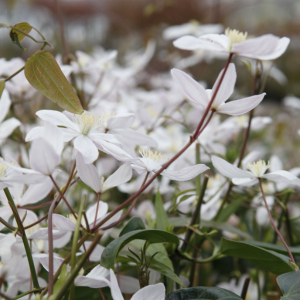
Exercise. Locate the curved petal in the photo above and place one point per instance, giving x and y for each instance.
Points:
(151, 292)
(245, 181)
(281, 176)
(122, 175)
(275, 163)
(187, 42)
(62, 223)
(190, 88)
(88, 174)
(8, 126)
(96, 253)
(114, 151)
(185, 173)
(114, 287)
(242, 106)
(121, 121)
(226, 88)
(56, 118)
(91, 212)
(87, 148)
(229, 170)
(35, 133)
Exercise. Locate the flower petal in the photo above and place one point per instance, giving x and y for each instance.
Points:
(190, 88)
(62, 223)
(281, 176)
(87, 148)
(226, 88)
(35, 133)
(151, 292)
(56, 118)
(4, 104)
(120, 121)
(229, 170)
(185, 173)
(245, 181)
(114, 287)
(242, 106)
(88, 174)
(122, 175)
(8, 126)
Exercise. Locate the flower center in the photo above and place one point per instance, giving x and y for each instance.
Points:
(87, 121)
(105, 117)
(156, 156)
(72, 218)
(2, 170)
(258, 168)
(235, 36)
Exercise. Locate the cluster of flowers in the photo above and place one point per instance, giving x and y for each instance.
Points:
(121, 115)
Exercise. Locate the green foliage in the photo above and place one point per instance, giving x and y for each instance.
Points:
(202, 293)
(265, 259)
(162, 221)
(150, 235)
(60, 282)
(2, 86)
(17, 36)
(44, 74)
(289, 284)
(135, 223)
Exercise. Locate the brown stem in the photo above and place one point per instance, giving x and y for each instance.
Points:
(245, 288)
(213, 97)
(273, 223)
(96, 214)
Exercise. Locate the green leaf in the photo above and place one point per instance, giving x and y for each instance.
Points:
(229, 210)
(266, 259)
(2, 86)
(60, 282)
(150, 235)
(16, 36)
(135, 223)
(161, 217)
(276, 248)
(289, 284)
(202, 293)
(44, 74)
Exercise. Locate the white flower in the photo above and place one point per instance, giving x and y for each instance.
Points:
(265, 47)
(197, 94)
(256, 170)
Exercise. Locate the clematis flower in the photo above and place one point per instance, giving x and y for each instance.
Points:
(151, 162)
(85, 129)
(90, 176)
(265, 47)
(150, 292)
(198, 95)
(256, 170)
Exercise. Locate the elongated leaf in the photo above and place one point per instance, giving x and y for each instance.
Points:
(266, 259)
(44, 74)
(161, 216)
(16, 36)
(289, 284)
(135, 223)
(2, 86)
(150, 235)
(202, 293)
(229, 210)
(276, 248)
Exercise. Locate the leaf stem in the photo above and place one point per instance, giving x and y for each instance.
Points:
(24, 238)
(274, 225)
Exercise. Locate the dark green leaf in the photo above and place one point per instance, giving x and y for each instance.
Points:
(202, 293)
(265, 259)
(150, 235)
(289, 284)
(229, 210)
(44, 74)
(16, 36)
(135, 223)
(161, 217)
(2, 86)
(276, 248)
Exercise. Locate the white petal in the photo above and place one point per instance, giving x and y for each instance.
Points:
(229, 170)
(88, 174)
(43, 158)
(96, 253)
(187, 42)
(54, 136)
(87, 148)
(100, 137)
(190, 88)
(62, 223)
(120, 121)
(114, 151)
(56, 118)
(44, 260)
(151, 292)
(92, 282)
(122, 175)
(42, 234)
(128, 285)
(114, 287)
(91, 212)
(245, 181)
(37, 192)
(8, 126)
(5, 246)
(275, 163)
(35, 133)
(242, 106)
(281, 176)
(185, 173)
(4, 104)
(69, 134)
(226, 88)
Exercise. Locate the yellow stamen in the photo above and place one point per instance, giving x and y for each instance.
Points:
(235, 36)
(87, 121)
(156, 156)
(258, 168)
